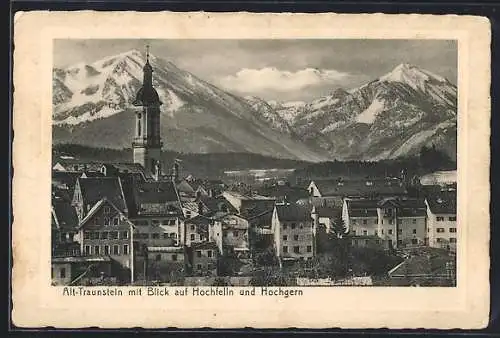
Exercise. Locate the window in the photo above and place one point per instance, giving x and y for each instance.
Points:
(414, 231)
(453, 240)
(116, 250)
(235, 233)
(439, 239)
(107, 210)
(210, 267)
(198, 253)
(382, 231)
(296, 249)
(365, 221)
(400, 231)
(294, 226)
(94, 235)
(353, 232)
(390, 231)
(104, 235)
(285, 226)
(400, 241)
(106, 221)
(390, 221)
(309, 248)
(365, 232)
(188, 214)
(155, 236)
(62, 272)
(440, 230)
(376, 233)
(414, 221)
(106, 249)
(86, 235)
(453, 218)
(414, 241)
(285, 237)
(116, 221)
(192, 237)
(192, 227)
(158, 257)
(198, 266)
(174, 257)
(400, 221)
(113, 234)
(439, 219)
(301, 226)
(125, 249)
(87, 249)
(124, 234)
(209, 253)
(96, 249)
(285, 249)
(382, 221)
(295, 237)
(165, 235)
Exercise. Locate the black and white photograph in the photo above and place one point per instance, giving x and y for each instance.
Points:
(254, 162)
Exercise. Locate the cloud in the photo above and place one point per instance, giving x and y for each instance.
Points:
(273, 79)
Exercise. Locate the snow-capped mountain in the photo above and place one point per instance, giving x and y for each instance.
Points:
(389, 117)
(92, 106)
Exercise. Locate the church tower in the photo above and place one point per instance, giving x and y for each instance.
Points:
(147, 142)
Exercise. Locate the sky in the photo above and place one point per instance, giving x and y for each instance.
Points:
(283, 70)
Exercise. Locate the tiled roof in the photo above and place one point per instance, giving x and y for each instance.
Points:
(152, 198)
(95, 188)
(293, 212)
(362, 208)
(360, 187)
(441, 201)
(328, 212)
(429, 266)
(204, 246)
(65, 179)
(65, 215)
(405, 207)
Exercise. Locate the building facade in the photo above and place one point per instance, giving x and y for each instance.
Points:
(294, 232)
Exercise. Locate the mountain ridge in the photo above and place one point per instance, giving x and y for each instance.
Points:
(387, 117)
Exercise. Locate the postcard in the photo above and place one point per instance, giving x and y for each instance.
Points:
(250, 170)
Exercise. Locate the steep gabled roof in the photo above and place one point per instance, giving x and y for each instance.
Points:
(65, 215)
(101, 203)
(96, 188)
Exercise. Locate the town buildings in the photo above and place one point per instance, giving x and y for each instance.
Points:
(134, 223)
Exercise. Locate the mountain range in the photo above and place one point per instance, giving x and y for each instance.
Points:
(389, 117)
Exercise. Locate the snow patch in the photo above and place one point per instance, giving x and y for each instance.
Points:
(418, 139)
(88, 116)
(369, 115)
